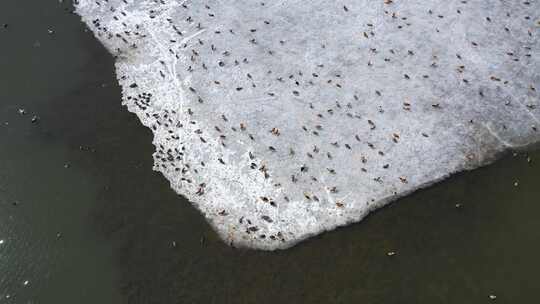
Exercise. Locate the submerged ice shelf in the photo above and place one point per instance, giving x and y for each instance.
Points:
(282, 119)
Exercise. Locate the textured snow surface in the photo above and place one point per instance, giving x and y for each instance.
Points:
(282, 119)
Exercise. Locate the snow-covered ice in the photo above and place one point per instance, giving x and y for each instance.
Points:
(282, 119)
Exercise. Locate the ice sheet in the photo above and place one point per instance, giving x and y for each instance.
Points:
(280, 120)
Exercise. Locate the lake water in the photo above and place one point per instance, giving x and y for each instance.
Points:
(84, 219)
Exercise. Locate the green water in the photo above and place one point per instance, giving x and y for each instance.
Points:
(84, 219)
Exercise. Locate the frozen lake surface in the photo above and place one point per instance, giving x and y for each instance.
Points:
(279, 120)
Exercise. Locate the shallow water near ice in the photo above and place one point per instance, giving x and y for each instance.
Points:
(118, 219)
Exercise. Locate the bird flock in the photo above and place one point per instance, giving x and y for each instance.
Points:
(282, 119)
